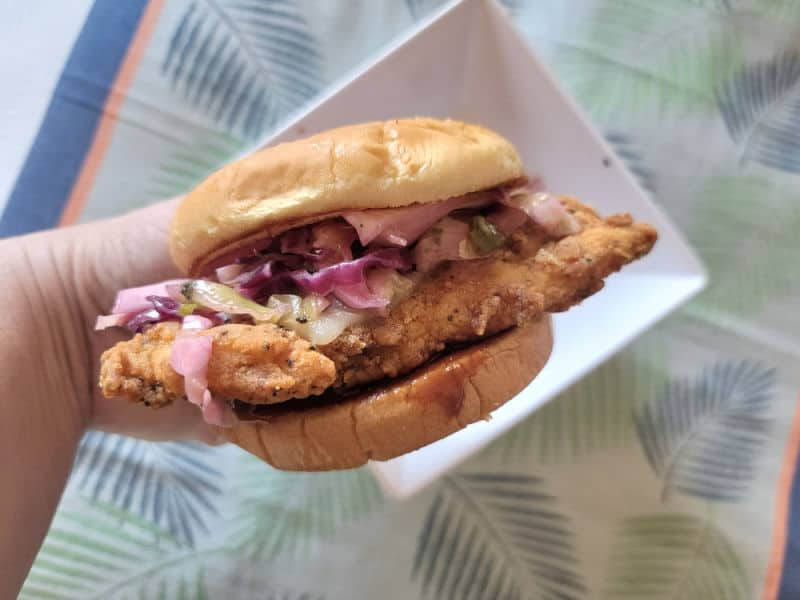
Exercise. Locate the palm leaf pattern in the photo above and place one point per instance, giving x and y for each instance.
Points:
(702, 436)
(629, 151)
(594, 413)
(494, 535)
(748, 271)
(640, 55)
(760, 105)
(267, 525)
(190, 164)
(674, 556)
(244, 63)
(100, 552)
(250, 579)
(419, 8)
(107, 553)
(173, 485)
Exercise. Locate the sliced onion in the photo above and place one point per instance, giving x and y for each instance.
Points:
(146, 318)
(403, 226)
(441, 242)
(329, 325)
(358, 295)
(217, 412)
(288, 305)
(106, 321)
(544, 209)
(189, 357)
(133, 300)
(262, 270)
(333, 240)
(222, 298)
(553, 217)
(166, 306)
(239, 255)
(197, 322)
(324, 244)
(313, 306)
(229, 273)
(255, 276)
(325, 328)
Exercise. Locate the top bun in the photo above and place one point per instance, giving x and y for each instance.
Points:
(372, 165)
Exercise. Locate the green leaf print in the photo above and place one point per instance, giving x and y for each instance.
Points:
(594, 413)
(244, 64)
(702, 436)
(267, 525)
(674, 557)
(100, 552)
(639, 55)
(174, 485)
(495, 535)
(760, 105)
(747, 271)
(189, 165)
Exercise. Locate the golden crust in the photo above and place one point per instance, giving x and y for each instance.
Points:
(259, 364)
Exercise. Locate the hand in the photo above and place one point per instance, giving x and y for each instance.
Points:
(52, 287)
(77, 272)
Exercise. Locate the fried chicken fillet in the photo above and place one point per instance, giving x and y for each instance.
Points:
(458, 302)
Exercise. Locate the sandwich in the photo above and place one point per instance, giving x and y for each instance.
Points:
(361, 293)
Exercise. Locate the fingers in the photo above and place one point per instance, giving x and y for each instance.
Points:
(178, 421)
(114, 254)
(139, 252)
(127, 251)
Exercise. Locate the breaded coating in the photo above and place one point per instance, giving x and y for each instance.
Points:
(258, 364)
(464, 300)
(458, 302)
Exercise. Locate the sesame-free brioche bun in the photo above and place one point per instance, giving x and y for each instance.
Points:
(401, 415)
(371, 165)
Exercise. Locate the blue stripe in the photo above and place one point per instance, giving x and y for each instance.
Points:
(65, 135)
(790, 577)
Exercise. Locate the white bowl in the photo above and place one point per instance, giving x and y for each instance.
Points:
(469, 62)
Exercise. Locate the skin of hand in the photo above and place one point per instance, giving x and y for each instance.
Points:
(54, 284)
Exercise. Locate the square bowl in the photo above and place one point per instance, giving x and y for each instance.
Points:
(469, 62)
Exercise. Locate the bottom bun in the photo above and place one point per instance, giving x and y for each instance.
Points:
(400, 415)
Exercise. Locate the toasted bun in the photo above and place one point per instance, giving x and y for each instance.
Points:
(431, 403)
(372, 165)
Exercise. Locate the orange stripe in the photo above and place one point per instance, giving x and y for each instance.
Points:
(782, 501)
(108, 119)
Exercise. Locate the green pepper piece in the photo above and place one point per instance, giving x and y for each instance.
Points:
(484, 235)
